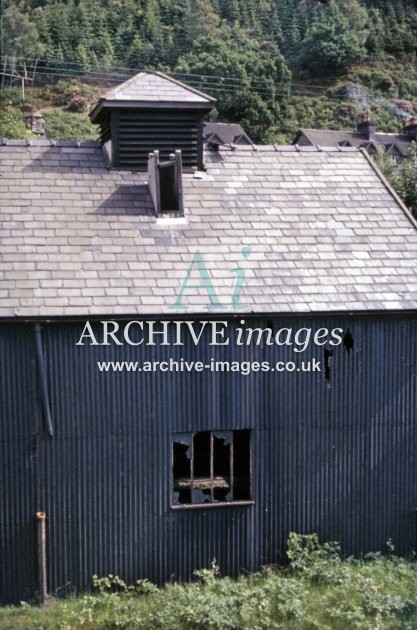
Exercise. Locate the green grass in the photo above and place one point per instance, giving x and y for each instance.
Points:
(62, 125)
(318, 591)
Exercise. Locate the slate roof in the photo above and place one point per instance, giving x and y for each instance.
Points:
(226, 133)
(330, 138)
(325, 234)
(153, 89)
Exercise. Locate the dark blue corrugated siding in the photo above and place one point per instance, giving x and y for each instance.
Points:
(339, 459)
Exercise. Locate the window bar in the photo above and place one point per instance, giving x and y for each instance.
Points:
(231, 466)
(192, 469)
(211, 467)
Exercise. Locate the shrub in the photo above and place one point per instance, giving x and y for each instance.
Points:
(319, 563)
(12, 125)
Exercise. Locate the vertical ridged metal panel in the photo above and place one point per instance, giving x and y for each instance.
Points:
(338, 458)
(20, 453)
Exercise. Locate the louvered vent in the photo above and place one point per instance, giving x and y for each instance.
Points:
(143, 131)
(152, 112)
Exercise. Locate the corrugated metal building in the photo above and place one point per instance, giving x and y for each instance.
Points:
(151, 470)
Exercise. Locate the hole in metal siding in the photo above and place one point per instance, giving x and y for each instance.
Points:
(348, 340)
(327, 364)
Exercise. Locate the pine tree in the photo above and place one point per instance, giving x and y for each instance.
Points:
(59, 30)
(82, 56)
(293, 38)
(39, 19)
(199, 19)
(376, 35)
(276, 28)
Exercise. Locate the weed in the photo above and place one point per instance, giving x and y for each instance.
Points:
(317, 591)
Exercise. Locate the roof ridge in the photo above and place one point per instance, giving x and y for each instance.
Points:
(379, 132)
(48, 142)
(127, 82)
(282, 148)
(185, 86)
(112, 94)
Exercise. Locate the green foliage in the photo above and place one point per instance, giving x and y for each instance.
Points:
(319, 563)
(60, 122)
(251, 85)
(12, 96)
(12, 125)
(61, 125)
(318, 590)
(245, 49)
(82, 56)
(207, 576)
(19, 35)
(114, 584)
(337, 31)
(199, 20)
(402, 176)
(337, 39)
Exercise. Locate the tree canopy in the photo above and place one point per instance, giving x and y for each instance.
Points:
(160, 32)
(336, 37)
(251, 82)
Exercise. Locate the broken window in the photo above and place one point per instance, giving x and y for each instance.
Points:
(211, 467)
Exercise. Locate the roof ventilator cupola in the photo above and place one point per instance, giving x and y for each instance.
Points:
(152, 111)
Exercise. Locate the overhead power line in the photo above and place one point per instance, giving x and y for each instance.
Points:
(72, 68)
(226, 85)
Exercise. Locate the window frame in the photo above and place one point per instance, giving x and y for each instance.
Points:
(211, 503)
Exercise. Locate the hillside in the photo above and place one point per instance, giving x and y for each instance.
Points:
(274, 66)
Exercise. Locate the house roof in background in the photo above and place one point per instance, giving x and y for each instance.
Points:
(153, 89)
(329, 138)
(325, 234)
(225, 133)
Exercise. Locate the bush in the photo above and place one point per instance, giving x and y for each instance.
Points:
(78, 103)
(402, 176)
(12, 125)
